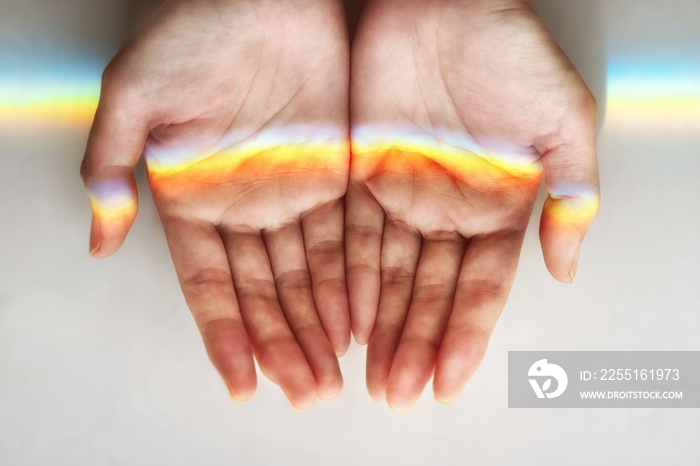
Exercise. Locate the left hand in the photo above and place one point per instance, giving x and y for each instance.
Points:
(456, 106)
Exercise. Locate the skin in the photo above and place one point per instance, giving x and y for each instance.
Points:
(431, 250)
(258, 251)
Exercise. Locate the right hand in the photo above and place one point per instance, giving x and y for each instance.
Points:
(241, 109)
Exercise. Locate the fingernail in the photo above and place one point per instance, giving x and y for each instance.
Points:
(329, 393)
(574, 263)
(94, 235)
(446, 400)
(236, 398)
(301, 405)
(401, 407)
(94, 245)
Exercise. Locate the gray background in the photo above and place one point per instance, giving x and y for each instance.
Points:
(101, 364)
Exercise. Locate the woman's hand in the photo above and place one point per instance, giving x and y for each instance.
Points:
(456, 107)
(241, 110)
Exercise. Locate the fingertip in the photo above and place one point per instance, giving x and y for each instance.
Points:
(330, 390)
(559, 275)
(563, 225)
(284, 363)
(376, 385)
(335, 318)
(241, 381)
(561, 253)
(329, 379)
(380, 357)
(445, 398)
(362, 320)
(341, 347)
(361, 335)
(376, 393)
(338, 335)
(446, 391)
(114, 204)
(240, 378)
(342, 340)
(302, 402)
(104, 246)
(228, 348)
(458, 360)
(400, 405)
(242, 393)
(94, 249)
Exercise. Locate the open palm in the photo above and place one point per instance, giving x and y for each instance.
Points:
(456, 107)
(241, 111)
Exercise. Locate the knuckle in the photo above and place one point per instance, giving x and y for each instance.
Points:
(258, 289)
(397, 276)
(484, 291)
(311, 330)
(589, 104)
(585, 105)
(329, 283)
(207, 277)
(432, 293)
(120, 88)
(363, 232)
(293, 280)
(322, 251)
(425, 341)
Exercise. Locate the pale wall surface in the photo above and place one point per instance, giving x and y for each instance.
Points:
(101, 364)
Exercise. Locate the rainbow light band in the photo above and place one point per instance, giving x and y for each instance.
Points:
(659, 93)
(65, 106)
(285, 150)
(457, 153)
(574, 212)
(35, 89)
(113, 201)
(569, 206)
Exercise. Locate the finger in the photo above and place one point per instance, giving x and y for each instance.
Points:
(323, 240)
(431, 304)
(484, 282)
(280, 357)
(293, 282)
(571, 173)
(114, 146)
(399, 257)
(202, 267)
(364, 226)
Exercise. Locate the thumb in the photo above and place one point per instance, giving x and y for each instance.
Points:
(114, 146)
(571, 175)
